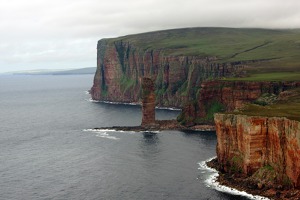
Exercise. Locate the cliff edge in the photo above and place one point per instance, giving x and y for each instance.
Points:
(188, 66)
(228, 96)
(261, 150)
(247, 144)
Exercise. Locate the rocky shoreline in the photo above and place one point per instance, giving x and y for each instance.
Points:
(161, 125)
(243, 183)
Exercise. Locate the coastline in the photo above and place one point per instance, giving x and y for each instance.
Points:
(213, 182)
(235, 184)
(132, 104)
(243, 185)
(160, 125)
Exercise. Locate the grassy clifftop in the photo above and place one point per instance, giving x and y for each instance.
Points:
(265, 51)
(287, 105)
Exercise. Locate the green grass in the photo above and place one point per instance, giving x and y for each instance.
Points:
(126, 83)
(228, 44)
(275, 76)
(289, 108)
(264, 50)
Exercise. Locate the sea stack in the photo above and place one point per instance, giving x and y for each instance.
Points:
(148, 103)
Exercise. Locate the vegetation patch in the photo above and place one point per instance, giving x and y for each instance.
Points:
(288, 107)
(266, 99)
(126, 83)
(266, 174)
(104, 92)
(210, 109)
(265, 52)
(179, 84)
(277, 76)
(236, 164)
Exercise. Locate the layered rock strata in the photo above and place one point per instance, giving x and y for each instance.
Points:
(218, 95)
(247, 144)
(121, 66)
(148, 102)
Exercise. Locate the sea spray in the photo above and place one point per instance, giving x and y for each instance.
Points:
(212, 182)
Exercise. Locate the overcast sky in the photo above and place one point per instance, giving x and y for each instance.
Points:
(55, 34)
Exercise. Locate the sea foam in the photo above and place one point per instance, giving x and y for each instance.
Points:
(132, 104)
(103, 133)
(113, 102)
(99, 130)
(212, 182)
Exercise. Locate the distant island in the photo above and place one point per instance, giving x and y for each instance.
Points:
(81, 71)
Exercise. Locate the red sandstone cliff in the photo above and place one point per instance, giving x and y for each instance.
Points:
(247, 144)
(148, 102)
(215, 96)
(121, 65)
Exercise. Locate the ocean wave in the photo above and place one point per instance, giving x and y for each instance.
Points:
(117, 131)
(114, 102)
(92, 100)
(107, 136)
(212, 182)
(131, 104)
(168, 108)
(100, 130)
(149, 131)
(121, 103)
(102, 133)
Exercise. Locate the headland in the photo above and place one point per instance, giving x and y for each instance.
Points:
(250, 77)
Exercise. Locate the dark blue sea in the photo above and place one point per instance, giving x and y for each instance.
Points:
(49, 150)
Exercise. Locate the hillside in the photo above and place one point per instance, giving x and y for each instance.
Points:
(278, 50)
(287, 104)
(202, 70)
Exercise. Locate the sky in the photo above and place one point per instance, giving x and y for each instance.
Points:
(63, 34)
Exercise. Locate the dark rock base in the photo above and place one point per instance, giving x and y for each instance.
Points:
(244, 183)
(161, 125)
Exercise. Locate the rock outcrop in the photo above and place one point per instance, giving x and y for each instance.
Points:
(218, 95)
(148, 102)
(185, 63)
(121, 66)
(252, 144)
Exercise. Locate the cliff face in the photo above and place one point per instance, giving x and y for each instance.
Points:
(247, 144)
(215, 96)
(120, 67)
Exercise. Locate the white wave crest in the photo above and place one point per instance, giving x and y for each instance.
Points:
(105, 135)
(102, 133)
(168, 108)
(107, 130)
(149, 131)
(213, 183)
(131, 104)
(121, 103)
(99, 130)
(114, 102)
(92, 100)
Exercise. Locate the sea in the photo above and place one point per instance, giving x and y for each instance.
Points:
(50, 149)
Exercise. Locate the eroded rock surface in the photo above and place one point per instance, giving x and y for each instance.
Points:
(148, 102)
(247, 144)
(218, 96)
(122, 65)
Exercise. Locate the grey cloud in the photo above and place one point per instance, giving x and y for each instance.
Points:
(64, 33)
